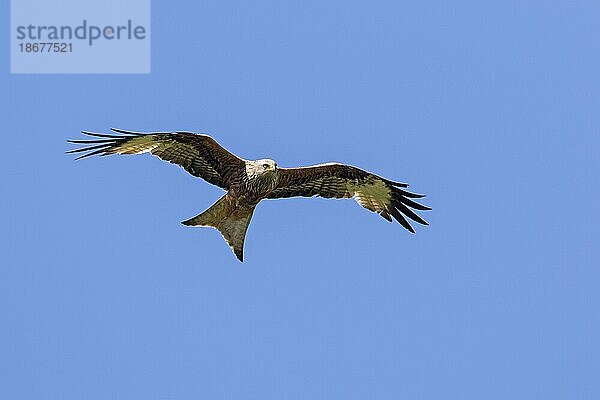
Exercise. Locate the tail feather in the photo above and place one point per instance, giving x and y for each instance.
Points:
(232, 223)
(212, 216)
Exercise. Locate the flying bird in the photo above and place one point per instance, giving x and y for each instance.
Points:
(247, 182)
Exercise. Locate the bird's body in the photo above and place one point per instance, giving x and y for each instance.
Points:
(247, 182)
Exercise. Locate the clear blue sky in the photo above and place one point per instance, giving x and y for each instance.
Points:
(492, 110)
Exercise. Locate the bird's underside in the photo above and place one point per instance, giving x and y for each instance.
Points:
(247, 182)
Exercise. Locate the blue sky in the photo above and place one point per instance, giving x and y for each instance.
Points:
(491, 109)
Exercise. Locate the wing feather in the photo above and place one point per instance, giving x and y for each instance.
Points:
(387, 198)
(198, 154)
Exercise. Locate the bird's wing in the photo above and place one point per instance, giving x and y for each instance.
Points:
(198, 154)
(385, 197)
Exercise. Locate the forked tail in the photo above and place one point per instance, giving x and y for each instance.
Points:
(230, 221)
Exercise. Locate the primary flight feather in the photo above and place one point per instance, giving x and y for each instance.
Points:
(247, 182)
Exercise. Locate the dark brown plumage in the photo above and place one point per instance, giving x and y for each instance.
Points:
(247, 182)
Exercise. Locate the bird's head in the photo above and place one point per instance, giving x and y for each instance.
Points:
(265, 166)
(262, 169)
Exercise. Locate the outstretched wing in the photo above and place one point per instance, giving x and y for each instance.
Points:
(385, 197)
(200, 155)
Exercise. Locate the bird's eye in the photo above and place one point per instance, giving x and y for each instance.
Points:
(265, 166)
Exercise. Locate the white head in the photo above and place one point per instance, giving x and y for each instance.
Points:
(264, 167)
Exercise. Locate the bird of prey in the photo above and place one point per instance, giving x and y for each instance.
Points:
(247, 182)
